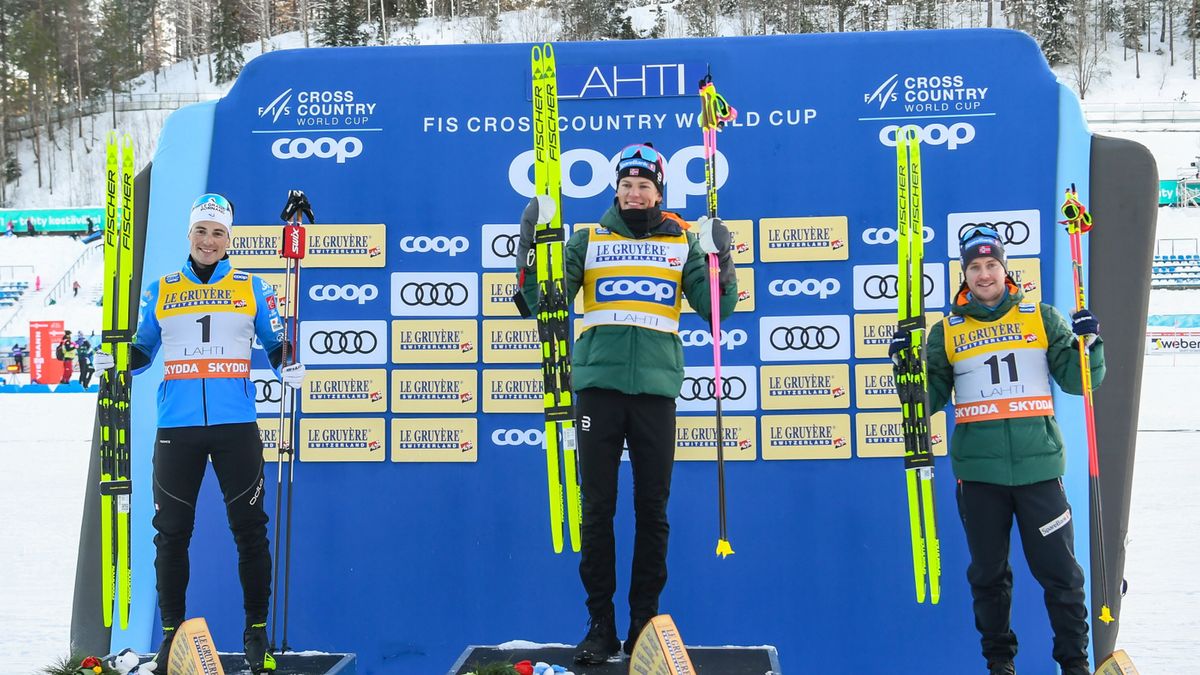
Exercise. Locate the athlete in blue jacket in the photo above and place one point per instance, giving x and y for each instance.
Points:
(203, 319)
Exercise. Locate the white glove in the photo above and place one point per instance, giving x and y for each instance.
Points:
(293, 375)
(713, 235)
(102, 360)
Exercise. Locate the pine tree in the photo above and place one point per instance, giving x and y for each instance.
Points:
(338, 25)
(701, 16)
(227, 40)
(1052, 30)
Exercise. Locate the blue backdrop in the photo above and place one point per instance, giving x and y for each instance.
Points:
(421, 512)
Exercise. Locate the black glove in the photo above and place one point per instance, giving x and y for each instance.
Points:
(540, 209)
(297, 201)
(901, 340)
(1085, 325)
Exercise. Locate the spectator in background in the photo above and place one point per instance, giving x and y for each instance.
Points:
(65, 352)
(18, 357)
(8, 230)
(83, 352)
(75, 288)
(91, 225)
(29, 228)
(37, 283)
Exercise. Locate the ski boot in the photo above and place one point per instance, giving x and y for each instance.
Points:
(1001, 668)
(258, 649)
(601, 641)
(158, 665)
(636, 624)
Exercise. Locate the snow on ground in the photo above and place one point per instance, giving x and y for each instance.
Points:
(51, 257)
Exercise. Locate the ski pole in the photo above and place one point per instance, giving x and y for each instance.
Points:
(293, 250)
(1079, 222)
(715, 111)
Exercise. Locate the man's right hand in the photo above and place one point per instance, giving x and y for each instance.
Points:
(102, 360)
(901, 340)
(539, 210)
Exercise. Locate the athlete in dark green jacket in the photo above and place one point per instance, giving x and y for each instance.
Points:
(998, 355)
(635, 269)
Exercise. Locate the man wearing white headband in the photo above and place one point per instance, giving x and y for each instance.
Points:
(204, 319)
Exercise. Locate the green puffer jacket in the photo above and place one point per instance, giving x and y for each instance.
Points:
(631, 359)
(1018, 451)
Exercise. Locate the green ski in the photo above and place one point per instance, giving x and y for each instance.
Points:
(113, 404)
(911, 376)
(553, 314)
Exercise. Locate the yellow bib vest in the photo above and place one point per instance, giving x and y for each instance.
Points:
(633, 282)
(207, 329)
(1000, 369)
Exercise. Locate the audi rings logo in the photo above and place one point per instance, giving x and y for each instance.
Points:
(705, 388)
(434, 293)
(267, 390)
(879, 286)
(887, 235)
(959, 133)
(426, 294)
(505, 245)
(451, 245)
(730, 339)
(340, 149)
(342, 342)
(805, 337)
(819, 287)
(517, 437)
(328, 292)
(1012, 233)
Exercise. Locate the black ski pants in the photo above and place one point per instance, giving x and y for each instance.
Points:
(607, 420)
(1044, 520)
(181, 456)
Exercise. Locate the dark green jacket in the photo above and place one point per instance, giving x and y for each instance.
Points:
(1017, 451)
(631, 359)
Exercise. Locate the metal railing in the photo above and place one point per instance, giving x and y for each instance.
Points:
(64, 282)
(14, 272)
(23, 126)
(1177, 247)
(1142, 112)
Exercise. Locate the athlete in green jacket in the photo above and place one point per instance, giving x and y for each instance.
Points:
(627, 370)
(998, 355)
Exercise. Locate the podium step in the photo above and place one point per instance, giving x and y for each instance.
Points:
(707, 660)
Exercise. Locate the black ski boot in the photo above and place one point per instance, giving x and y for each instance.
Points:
(258, 649)
(1001, 668)
(600, 643)
(1076, 668)
(158, 665)
(636, 624)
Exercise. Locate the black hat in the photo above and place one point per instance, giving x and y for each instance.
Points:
(980, 241)
(642, 161)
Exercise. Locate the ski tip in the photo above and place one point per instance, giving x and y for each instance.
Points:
(1106, 614)
(723, 548)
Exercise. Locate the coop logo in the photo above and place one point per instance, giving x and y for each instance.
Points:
(329, 292)
(646, 289)
(876, 236)
(730, 339)
(517, 437)
(959, 133)
(450, 245)
(601, 169)
(791, 287)
(927, 93)
(325, 147)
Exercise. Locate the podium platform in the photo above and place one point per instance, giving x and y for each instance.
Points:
(707, 660)
(294, 663)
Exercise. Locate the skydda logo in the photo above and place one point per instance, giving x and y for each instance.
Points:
(340, 149)
(959, 133)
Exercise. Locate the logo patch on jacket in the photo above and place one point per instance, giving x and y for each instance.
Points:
(955, 319)
(1027, 308)
(173, 278)
(241, 276)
